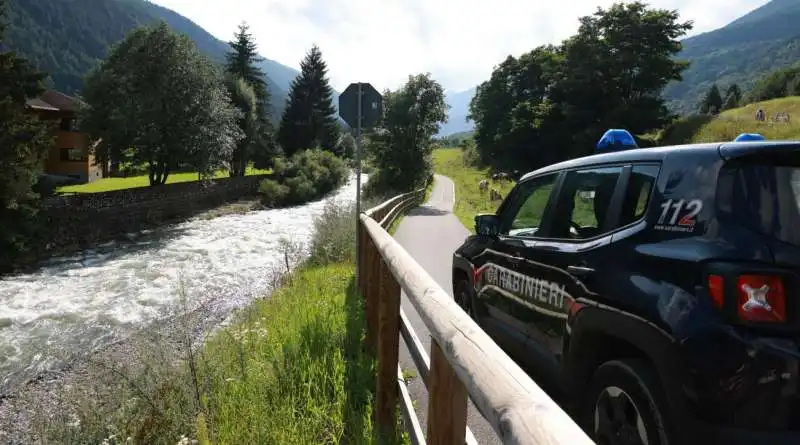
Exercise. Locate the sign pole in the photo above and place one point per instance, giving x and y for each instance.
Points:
(358, 181)
(358, 153)
(358, 117)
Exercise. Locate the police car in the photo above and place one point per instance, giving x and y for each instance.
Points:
(652, 292)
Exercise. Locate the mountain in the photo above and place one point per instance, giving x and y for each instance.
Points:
(741, 52)
(457, 115)
(66, 38)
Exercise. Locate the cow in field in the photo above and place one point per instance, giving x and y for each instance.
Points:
(500, 177)
(494, 195)
(483, 185)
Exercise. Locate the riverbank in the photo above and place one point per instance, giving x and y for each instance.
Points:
(96, 297)
(151, 385)
(286, 369)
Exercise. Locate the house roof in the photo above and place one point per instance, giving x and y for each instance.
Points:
(39, 104)
(54, 101)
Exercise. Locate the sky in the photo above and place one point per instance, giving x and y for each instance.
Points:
(383, 41)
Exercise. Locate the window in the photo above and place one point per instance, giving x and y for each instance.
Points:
(73, 155)
(637, 197)
(584, 202)
(66, 124)
(763, 194)
(533, 196)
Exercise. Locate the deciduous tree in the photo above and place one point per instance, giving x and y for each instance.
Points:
(402, 145)
(168, 102)
(244, 99)
(555, 102)
(24, 141)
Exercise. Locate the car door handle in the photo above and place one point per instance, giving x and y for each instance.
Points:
(579, 270)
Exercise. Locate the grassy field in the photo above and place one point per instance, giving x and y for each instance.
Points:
(469, 199)
(731, 123)
(110, 184)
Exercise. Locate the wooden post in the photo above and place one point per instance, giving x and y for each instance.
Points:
(388, 347)
(371, 307)
(361, 234)
(447, 402)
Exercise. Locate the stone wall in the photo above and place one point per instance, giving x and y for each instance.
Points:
(80, 221)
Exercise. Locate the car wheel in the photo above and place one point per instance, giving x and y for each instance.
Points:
(625, 405)
(463, 296)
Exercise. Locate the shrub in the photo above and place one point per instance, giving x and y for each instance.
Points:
(334, 235)
(308, 175)
(301, 189)
(272, 192)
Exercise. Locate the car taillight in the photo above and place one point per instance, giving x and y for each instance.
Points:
(716, 289)
(761, 298)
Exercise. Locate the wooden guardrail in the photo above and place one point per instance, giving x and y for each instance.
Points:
(464, 360)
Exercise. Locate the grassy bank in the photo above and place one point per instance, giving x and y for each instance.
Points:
(292, 372)
(111, 184)
(289, 369)
(731, 123)
(470, 201)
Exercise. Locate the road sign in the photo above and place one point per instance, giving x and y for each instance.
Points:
(361, 106)
(371, 105)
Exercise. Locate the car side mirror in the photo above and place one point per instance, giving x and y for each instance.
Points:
(487, 225)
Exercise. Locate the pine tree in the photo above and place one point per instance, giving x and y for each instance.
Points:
(310, 117)
(733, 96)
(712, 102)
(734, 91)
(241, 63)
(24, 141)
(730, 102)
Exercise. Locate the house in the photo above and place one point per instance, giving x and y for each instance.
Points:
(70, 155)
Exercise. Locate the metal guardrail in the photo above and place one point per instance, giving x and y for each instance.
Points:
(465, 361)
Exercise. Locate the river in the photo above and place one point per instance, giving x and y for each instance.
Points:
(83, 302)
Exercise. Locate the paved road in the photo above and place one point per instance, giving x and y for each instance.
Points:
(430, 234)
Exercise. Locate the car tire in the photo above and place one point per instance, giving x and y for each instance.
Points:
(625, 405)
(463, 295)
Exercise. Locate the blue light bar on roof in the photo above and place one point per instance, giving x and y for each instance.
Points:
(747, 137)
(615, 140)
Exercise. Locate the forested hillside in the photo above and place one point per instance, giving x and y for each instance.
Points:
(742, 52)
(65, 38)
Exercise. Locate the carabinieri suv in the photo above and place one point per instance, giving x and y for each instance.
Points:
(654, 293)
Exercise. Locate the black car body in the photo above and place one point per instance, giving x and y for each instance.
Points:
(690, 269)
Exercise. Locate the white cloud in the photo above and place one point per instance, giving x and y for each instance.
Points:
(383, 41)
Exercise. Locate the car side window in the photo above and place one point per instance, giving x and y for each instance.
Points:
(584, 202)
(531, 204)
(638, 193)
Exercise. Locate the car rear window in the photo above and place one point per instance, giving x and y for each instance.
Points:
(763, 194)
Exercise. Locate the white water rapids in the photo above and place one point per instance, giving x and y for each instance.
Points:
(87, 301)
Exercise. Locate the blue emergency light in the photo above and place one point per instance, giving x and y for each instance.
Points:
(747, 137)
(616, 139)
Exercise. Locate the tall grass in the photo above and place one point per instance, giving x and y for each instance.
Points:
(289, 369)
